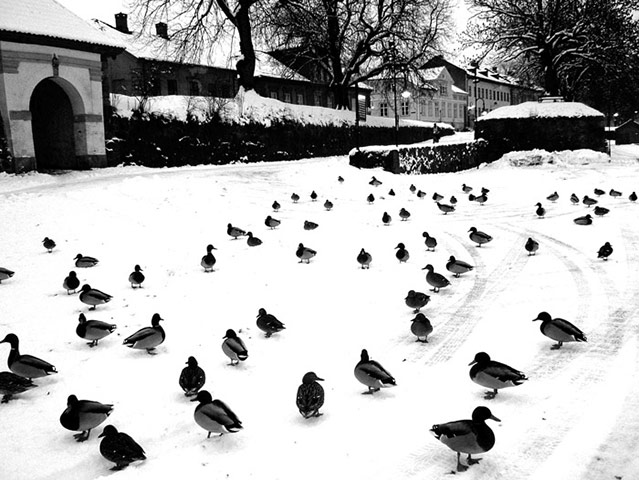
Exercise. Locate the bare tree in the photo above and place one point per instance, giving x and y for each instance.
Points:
(355, 40)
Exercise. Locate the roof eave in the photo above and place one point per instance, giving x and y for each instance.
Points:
(35, 39)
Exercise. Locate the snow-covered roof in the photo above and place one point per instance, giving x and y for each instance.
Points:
(432, 73)
(536, 109)
(459, 90)
(50, 19)
(224, 54)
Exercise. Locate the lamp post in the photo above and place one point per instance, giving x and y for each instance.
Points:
(394, 66)
(474, 66)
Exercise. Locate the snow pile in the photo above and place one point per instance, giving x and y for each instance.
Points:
(538, 157)
(547, 110)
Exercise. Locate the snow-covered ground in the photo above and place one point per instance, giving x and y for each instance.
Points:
(576, 418)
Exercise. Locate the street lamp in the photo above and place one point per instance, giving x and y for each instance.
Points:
(474, 66)
(394, 66)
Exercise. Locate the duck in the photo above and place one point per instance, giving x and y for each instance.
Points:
(136, 277)
(466, 188)
(391, 192)
(268, 323)
(412, 188)
(541, 211)
(364, 259)
(26, 366)
(93, 330)
(421, 327)
(479, 237)
(252, 241)
(453, 200)
(587, 201)
(147, 338)
(271, 222)
(484, 190)
(467, 436)
(340, 179)
(12, 384)
(310, 395)
(632, 197)
(585, 220)
(599, 192)
(370, 199)
(421, 194)
(481, 199)
(491, 374)
(416, 300)
(49, 244)
(208, 260)
(402, 254)
(328, 205)
(215, 416)
(434, 279)
(71, 282)
(276, 206)
(605, 251)
(457, 267)
(93, 296)
(437, 197)
(119, 448)
(374, 182)
(295, 197)
(84, 261)
(430, 242)
(531, 246)
(313, 196)
(574, 199)
(404, 214)
(234, 232)
(601, 211)
(234, 347)
(192, 377)
(386, 218)
(614, 193)
(84, 415)
(372, 374)
(5, 273)
(308, 225)
(553, 197)
(559, 330)
(445, 208)
(304, 253)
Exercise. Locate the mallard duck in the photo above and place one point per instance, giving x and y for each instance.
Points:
(553, 197)
(370, 199)
(295, 197)
(574, 199)
(26, 366)
(466, 188)
(252, 241)
(541, 211)
(119, 448)
(614, 193)
(601, 211)
(457, 267)
(84, 415)
(404, 214)
(467, 436)
(585, 220)
(93, 296)
(479, 237)
(49, 244)
(481, 199)
(587, 201)
(531, 246)
(208, 260)
(328, 205)
(412, 188)
(374, 182)
(430, 242)
(192, 377)
(386, 218)
(605, 251)
(421, 327)
(147, 338)
(93, 330)
(421, 194)
(71, 282)
(372, 374)
(401, 254)
(453, 200)
(391, 192)
(215, 416)
(340, 179)
(268, 323)
(437, 197)
(136, 277)
(276, 206)
(304, 253)
(5, 273)
(559, 329)
(434, 279)
(491, 374)
(84, 261)
(308, 225)
(234, 232)
(271, 222)
(416, 300)
(445, 208)
(313, 196)
(12, 384)
(234, 347)
(364, 258)
(632, 197)
(599, 192)
(310, 395)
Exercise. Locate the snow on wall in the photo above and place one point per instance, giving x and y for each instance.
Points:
(547, 110)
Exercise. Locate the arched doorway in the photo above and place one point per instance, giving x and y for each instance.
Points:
(52, 127)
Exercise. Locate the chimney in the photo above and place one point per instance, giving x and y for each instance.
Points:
(161, 30)
(121, 23)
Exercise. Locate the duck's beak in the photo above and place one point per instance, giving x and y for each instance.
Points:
(472, 363)
(320, 379)
(493, 417)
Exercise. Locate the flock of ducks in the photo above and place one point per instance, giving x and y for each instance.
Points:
(469, 437)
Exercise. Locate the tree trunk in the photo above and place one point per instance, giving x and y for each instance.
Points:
(337, 85)
(340, 93)
(246, 65)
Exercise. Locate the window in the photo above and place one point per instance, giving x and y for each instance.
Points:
(383, 109)
(273, 95)
(287, 97)
(329, 101)
(443, 90)
(300, 99)
(455, 114)
(317, 99)
(431, 111)
(449, 110)
(194, 88)
(405, 107)
(171, 87)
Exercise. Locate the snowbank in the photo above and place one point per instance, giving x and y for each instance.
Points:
(548, 110)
